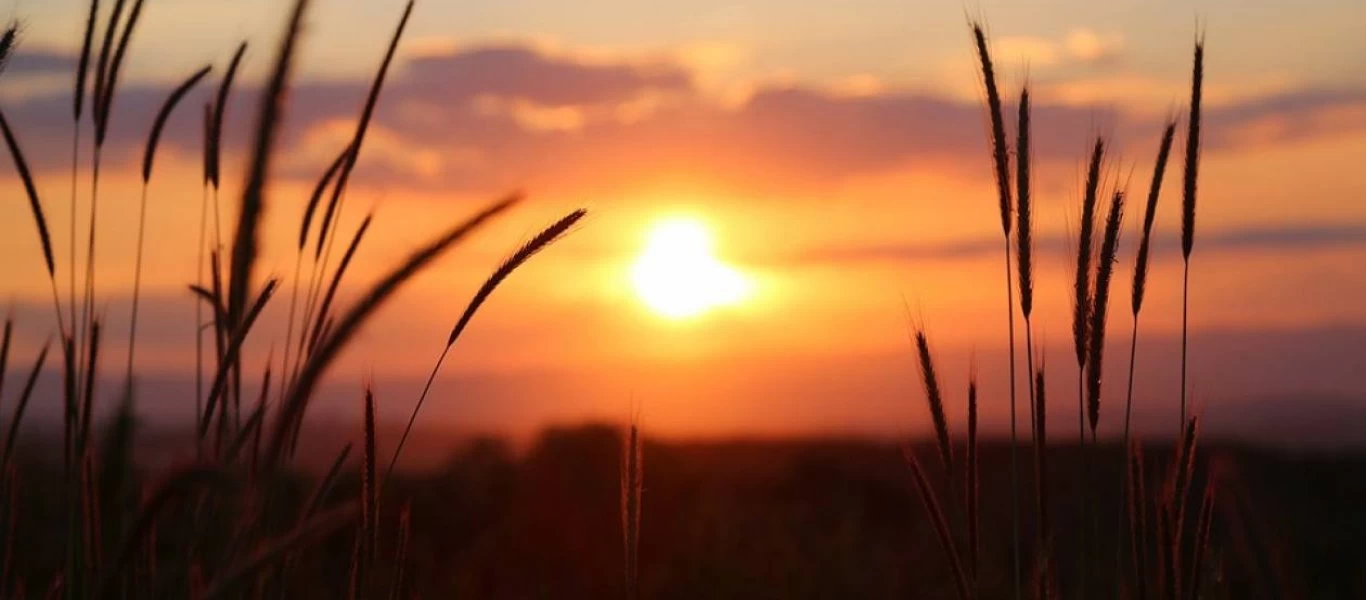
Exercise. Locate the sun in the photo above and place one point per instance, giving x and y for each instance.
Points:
(677, 276)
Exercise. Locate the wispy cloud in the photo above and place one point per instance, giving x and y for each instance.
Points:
(1288, 238)
(540, 117)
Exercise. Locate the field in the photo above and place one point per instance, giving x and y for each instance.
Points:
(233, 506)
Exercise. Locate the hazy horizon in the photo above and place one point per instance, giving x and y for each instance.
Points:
(860, 154)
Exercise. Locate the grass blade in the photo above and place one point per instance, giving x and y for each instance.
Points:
(1000, 150)
(19, 409)
(371, 100)
(83, 66)
(220, 110)
(935, 400)
(111, 81)
(295, 402)
(303, 536)
(531, 248)
(1109, 248)
(941, 526)
(102, 64)
(1188, 206)
(35, 205)
(331, 294)
(150, 152)
(244, 247)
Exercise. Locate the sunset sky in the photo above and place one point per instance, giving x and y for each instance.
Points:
(833, 154)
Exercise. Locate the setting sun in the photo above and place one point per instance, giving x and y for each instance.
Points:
(678, 276)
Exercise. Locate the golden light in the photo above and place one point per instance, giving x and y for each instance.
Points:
(678, 276)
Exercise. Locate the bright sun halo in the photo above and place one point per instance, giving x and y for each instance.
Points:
(677, 275)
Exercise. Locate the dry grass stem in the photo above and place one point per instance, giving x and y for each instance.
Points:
(935, 399)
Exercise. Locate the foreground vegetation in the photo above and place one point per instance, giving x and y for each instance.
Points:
(241, 521)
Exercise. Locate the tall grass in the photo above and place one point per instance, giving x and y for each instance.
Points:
(934, 398)
(941, 525)
(1138, 291)
(18, 417)
(77, 109)
(972, 485)
(531, 248)
(149, 158)
(1082, 288)
(1044, 528)
(95, 481)
(1000, 154)
(258, 554)
(39, 220)
(632, 484)
(1100, 302)
(1091, 289)
(1188, 189)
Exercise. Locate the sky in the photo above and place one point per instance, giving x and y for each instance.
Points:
(833, 155)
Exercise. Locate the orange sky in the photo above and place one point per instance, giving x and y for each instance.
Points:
(845, 181)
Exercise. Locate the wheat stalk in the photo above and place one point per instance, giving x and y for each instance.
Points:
(632, 471)
(973, 486)
(1105, 269)
(78, 107)
(86, 415)
(270, 553)
(149, 157)
(231, 356)
(1136, 304)
(1188, 204)
(295, 402)
(1205, 524)
(1000, 163)
(271, 114)
(933, 396)
(1041, 476)
(287, 372)
(1138, 522)
(523, 254)
(220, 111)
(36, 207)
(19, 408)
(367, 112)
(324, 309)
(4, 354)
(941, 525)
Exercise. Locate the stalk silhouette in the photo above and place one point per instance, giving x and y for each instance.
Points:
(332, 214)
(632, 482)
(309, 211)
(973, 487)
(1040, 418)
(106, 83)
(77, 109)
(1137, 292)
(295, 403)
(1105, 269)
(1188, 205)
(39, 220)
(149, 158)
(533, 246)
(1081, 316)
(1001, 165)
(935, 399)
(941, 525)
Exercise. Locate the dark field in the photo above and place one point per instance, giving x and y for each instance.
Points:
(762, 519)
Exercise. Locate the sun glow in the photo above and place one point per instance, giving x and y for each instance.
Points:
(677, 275)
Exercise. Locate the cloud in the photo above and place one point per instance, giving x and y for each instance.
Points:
(1079, 47)
(484, 118)
(521, 73)
(41, 62)
(1302, 237)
